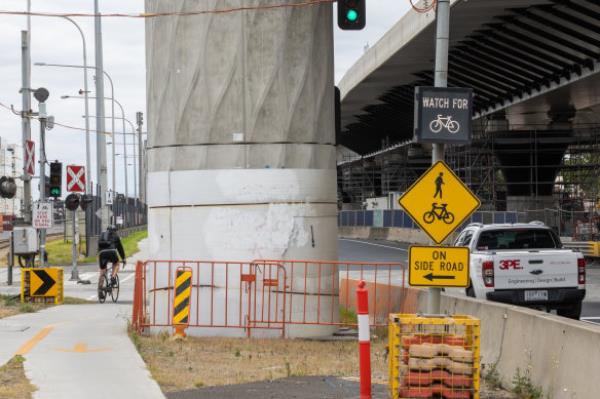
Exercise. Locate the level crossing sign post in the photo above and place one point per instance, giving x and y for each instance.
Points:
(29, 158)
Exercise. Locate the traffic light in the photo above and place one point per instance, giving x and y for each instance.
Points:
(72, 202)
(55, 179)
(8, 187)
(351, 14)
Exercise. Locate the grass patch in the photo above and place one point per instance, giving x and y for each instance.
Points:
(187, 364)
(13, 381)
(11, 305)
(70, 300)
(348, 316)
(59, 251)
(524, 388)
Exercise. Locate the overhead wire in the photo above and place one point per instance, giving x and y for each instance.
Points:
(55, 123)
(304, 3)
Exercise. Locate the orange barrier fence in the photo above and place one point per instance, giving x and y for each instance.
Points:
(276, 295)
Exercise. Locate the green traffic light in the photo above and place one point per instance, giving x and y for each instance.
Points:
(352, 15)
(55, 192)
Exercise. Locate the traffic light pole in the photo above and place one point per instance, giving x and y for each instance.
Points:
(441, 80)
(74, 254)
(43, 119)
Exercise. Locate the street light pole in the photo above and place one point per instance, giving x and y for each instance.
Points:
(100, 139)
(112, 98)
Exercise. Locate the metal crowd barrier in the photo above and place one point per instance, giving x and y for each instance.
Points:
(287, 297)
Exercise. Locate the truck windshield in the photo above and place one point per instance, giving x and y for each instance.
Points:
(517, 239)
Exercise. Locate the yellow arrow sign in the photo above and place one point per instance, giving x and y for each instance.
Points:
(82, 348)
(438, 266)
(44, 282)
(439, 202)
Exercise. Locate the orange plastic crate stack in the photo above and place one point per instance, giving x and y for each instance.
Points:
(434, 357)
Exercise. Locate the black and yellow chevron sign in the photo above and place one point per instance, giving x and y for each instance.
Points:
(183, 290)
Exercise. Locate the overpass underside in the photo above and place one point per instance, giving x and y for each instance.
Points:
(509, 170)
(534, 66)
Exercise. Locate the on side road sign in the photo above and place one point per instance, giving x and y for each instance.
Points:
(439, 202)
(438, 266)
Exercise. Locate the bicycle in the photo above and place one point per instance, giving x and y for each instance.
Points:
(438, 124)
(107, 288)
(443, 214)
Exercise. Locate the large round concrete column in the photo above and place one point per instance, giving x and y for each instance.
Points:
(241, 154)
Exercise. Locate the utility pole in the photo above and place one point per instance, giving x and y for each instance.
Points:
(25, 120)
(100, 136)
(441, 80)
(140, 123)
(41, 95)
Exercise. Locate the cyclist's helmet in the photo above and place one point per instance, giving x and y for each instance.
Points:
(112, 228)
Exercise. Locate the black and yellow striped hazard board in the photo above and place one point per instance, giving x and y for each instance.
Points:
(183, 290)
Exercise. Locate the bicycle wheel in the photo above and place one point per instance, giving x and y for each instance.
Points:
(436, 126)
(103, 289)
(429, 217)
(448, 218)
(114, 292)
(453, 127)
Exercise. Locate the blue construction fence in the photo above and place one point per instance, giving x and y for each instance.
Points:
(399, 218)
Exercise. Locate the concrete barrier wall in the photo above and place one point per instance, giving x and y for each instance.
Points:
(562, 356)
(411, 236)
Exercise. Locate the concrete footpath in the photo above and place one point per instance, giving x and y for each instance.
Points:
(80, 351)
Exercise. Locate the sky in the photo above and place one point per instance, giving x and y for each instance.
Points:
(56, 40)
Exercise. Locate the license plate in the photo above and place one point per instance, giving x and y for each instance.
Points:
(539, 295)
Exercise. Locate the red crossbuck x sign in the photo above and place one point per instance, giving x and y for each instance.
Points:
(75, 179)
(30, 157)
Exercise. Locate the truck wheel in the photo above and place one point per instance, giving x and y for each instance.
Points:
(573, 312)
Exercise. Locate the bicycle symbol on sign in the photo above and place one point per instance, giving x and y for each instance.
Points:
(447, 123)
(438, 212)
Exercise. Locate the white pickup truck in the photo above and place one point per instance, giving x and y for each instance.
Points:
(524, 264)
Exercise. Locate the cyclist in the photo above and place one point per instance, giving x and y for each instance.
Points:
(109, 250)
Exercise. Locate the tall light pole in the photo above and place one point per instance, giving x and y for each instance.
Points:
(112, 98)
(100, 139)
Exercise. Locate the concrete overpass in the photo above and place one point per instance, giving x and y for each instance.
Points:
(533, 66)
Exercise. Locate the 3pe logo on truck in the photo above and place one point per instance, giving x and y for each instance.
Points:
(514, 264)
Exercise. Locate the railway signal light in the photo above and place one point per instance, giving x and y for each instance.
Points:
(72, 202)
(8, 187)
(55, 179)
(85, 201)
(351, 14)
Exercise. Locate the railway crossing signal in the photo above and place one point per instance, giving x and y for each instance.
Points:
(75, 179)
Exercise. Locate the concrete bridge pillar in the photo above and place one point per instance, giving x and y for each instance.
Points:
(241, 157)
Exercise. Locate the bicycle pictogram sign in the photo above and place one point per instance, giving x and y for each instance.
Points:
(439, 202)
(447, 123)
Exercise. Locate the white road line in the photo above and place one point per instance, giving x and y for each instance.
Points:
(376, 245)
(590, 318)
(128, 278)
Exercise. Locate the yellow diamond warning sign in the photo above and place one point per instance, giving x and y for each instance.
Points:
(438, 266)
(439, 202)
